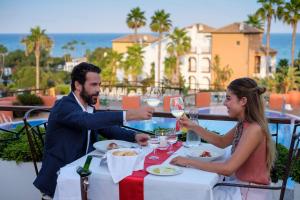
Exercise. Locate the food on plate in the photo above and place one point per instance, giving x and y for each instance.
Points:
(156, 170)
(205, 154)
(124, 153)
(163, 170)
(111, 146)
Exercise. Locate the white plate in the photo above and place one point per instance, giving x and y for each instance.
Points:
(195, 152)
(102, 145)
(164, 170)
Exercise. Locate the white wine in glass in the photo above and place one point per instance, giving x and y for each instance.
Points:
(153, 102)
(177, 113)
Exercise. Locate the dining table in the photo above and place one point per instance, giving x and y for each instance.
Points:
(191, 183)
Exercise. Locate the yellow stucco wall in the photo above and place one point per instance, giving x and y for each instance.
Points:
(121, 47)
(240, 58)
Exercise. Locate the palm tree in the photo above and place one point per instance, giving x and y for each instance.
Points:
(179, 45)
(255, 21)
(269, 9)
(289, 78)
(36, 42)
(134, 61)
(170, 67)
(112, 61)
(160, 23)
(291, 16)
(3, 52)
(222, 75)
(135, 20)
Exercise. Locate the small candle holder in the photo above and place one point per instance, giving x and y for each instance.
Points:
(162, 135)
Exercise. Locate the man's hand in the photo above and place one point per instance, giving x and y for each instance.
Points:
(142, 113)
(142, 139)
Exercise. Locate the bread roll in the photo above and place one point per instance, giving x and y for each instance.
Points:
(111, 146)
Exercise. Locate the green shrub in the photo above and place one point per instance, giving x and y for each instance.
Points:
(17, 150)
(104, 102)
(3, 144)
(62, 89)
(29, 100)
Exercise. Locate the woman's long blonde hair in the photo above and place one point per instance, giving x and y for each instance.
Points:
(255, 112)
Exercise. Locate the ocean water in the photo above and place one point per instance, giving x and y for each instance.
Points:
(91, 40)
(282, 42)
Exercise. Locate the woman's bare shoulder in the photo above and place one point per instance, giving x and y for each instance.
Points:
(254, 127)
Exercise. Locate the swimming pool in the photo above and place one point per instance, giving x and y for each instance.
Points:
(13, 125)
(222, 127)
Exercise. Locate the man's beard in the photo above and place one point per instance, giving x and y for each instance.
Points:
(88, 98)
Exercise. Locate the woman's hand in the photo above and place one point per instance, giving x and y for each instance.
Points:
(186, 122)
(182, 161)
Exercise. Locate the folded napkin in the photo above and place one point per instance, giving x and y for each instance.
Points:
(68, 184)
(123, 166)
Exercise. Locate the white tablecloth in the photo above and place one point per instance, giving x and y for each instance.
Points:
(192, 184)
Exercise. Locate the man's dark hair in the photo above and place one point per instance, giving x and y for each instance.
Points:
(79, 73)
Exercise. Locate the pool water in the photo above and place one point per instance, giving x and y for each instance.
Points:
(9, 126)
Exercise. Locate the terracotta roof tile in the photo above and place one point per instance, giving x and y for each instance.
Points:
(203, 28)
(132, 38)
(262, 49)
(238, 28)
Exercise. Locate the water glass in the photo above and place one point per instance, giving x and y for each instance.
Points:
(192, 138)
(172, 139)
(154, 143)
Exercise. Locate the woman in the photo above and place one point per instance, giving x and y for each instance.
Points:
(252, 152)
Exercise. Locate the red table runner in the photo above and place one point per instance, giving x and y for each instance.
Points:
(132, 187)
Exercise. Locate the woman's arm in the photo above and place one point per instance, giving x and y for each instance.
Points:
(250, 139)
(220, 141)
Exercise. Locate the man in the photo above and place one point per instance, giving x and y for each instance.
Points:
(73, 124)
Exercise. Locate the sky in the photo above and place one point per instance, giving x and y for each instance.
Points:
(109, 16)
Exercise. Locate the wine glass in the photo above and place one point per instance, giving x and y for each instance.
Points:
(153, 98)
(154, 143)
(177, 107)
(172, 139)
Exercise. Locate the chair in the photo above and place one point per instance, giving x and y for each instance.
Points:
(131, 102)
(293, 154)
(6, 132)
(202, 99)
(35, 135)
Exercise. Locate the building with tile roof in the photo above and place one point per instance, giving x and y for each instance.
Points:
(121, 44)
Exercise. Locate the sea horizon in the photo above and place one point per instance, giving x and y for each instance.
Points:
(279, 41)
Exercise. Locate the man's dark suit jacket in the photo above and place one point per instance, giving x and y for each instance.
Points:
(66, 137)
